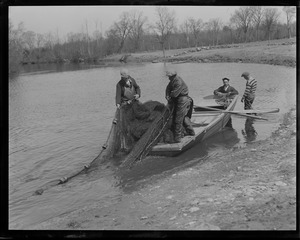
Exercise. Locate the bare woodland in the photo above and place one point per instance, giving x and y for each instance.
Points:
(132, 33)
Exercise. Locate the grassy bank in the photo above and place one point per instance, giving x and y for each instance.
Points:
(275, 52)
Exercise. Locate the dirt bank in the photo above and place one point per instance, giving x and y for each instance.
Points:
(251, 188)
(275, 52)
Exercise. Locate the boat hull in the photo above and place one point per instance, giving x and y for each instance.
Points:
(209, 123)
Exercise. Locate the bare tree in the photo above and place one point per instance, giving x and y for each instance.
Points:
(122, 29)
(185, 29)
(49, 40)
(15, 46)
(29, 38)
(196, 27)
(257, 14)
(87, 39)
(270, 19)
(40, 41)
(216, 25)
(242, 18)
(164, 26)
(290, 14)
(137, 28)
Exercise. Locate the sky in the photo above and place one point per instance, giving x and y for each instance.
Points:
(65, 19)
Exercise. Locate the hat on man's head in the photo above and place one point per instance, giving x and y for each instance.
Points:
(225, 78)
(245, 74)
(171, 73)
(124, 72)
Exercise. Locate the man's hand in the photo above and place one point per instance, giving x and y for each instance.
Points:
(118, 106)
(242, 100)
(136, 96)
(168, 98)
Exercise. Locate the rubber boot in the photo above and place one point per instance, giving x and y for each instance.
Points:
(188, 126)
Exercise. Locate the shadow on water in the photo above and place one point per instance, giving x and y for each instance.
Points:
(155, 167)
(32, 69)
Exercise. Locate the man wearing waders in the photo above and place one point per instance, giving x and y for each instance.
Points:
(127, 91)
(249, 94)
(177, 94)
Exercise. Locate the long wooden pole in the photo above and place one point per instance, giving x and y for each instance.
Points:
(257, 111)
(231, 112)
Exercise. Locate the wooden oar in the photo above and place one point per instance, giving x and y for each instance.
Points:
(215, 96)
(231, 112)
(252, 111)
(211, 97)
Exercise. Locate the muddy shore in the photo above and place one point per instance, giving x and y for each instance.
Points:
(250, 188)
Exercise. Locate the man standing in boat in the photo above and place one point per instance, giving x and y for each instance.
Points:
(177, 94)
(249, 94)
(127, 89)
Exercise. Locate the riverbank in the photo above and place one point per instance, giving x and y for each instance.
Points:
(250, 188)
(275, 52)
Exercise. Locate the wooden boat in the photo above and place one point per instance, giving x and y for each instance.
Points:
(205, 124)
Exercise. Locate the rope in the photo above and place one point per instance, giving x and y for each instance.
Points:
(85, 167)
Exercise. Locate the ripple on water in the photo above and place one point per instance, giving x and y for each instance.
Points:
(59, 121)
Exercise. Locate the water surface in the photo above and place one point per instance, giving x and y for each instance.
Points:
(59, 120)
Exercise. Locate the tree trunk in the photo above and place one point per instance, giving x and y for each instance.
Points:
(163, 48)
(121, 46)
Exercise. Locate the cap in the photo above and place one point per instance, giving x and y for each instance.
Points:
(225, 79)
(171, 73)
(124, 72)
(245, 74)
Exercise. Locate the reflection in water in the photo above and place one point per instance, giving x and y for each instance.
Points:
(62, 67)
(152, 167)
(249, 132)
(227, 138)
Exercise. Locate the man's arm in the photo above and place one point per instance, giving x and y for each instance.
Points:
(233, 91)
(217, 91)
(177, 87)
(136, 86)
(118, 94)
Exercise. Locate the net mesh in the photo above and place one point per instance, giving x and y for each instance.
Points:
(136, 129)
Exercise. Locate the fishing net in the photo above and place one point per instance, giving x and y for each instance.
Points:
(135, 129)
(224, 100)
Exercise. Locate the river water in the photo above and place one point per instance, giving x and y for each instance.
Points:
(60, 117)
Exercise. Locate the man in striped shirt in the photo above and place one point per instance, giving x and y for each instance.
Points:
(249, 93)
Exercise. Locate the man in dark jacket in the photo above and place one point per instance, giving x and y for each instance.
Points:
(127, 89)
(177, 94)
(226, 89)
